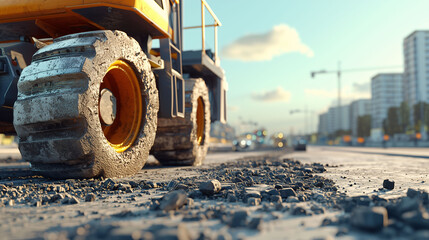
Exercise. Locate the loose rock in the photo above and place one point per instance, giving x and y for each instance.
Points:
(287, 192)
(210, 187)
(412, 193)
(276, 199)
(390, 185)
(253, 201)
(369, 218)
(252, 194)
(256, 223)
(238, 219)
(417, 219)
(231, 198)
(173, 200)
(292, 199)
(90, 197)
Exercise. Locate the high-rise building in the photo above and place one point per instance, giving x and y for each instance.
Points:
(345, 118)
(358, 108)
(329, 122)
(323, 124)
(386, 92)
(416, 67)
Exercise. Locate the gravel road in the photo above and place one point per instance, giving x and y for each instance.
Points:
(248, 195)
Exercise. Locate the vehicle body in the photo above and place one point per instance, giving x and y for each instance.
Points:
(44, 100)
(300, 144)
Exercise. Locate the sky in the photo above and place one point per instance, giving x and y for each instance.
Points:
(269, 48)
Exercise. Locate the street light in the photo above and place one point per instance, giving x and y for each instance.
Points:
(306, 111)
(298, 111)
(313, 75)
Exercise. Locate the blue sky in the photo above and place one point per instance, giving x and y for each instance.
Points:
(266, 84)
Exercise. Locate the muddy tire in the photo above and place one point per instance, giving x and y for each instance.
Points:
(184, 141)
(57, 114)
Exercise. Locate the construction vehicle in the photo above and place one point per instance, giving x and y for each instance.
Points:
(88, 95)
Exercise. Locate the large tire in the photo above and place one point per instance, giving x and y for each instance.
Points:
(57, 114)
(184, 141)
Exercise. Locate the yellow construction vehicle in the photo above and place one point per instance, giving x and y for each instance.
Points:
(88, 95)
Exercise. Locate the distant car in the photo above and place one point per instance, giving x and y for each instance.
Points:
(278, 140)
(242, 144)
(300, 145)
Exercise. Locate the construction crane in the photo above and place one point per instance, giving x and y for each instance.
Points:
(339, 72)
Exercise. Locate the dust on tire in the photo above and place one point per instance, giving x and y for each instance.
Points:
(56, 114)
(176, 141)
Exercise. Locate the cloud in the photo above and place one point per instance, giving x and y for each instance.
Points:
(361, 87)
(280, 40)
(277, 95)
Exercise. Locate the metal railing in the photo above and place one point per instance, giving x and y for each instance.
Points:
(205, 5)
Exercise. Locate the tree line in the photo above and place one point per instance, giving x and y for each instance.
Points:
(397, 120)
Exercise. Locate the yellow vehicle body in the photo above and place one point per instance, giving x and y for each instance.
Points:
(53, 18)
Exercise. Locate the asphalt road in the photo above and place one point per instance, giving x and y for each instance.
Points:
(360, 170)
(356, 171)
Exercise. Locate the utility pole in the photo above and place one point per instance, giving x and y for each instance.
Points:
(307, 127)
(339, 96)
(313, 74)
(306, 121)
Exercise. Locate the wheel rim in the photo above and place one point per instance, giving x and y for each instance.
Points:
(121, 80)
(200, 121)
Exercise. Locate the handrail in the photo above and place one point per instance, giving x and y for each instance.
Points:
(192, 27)
(205, 5)
(211, 13)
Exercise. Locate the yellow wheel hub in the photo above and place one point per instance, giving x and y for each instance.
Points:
(200, 121)
(121, 80)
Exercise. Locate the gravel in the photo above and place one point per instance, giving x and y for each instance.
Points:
(404, 217)
(246, 195)
(165, 232)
